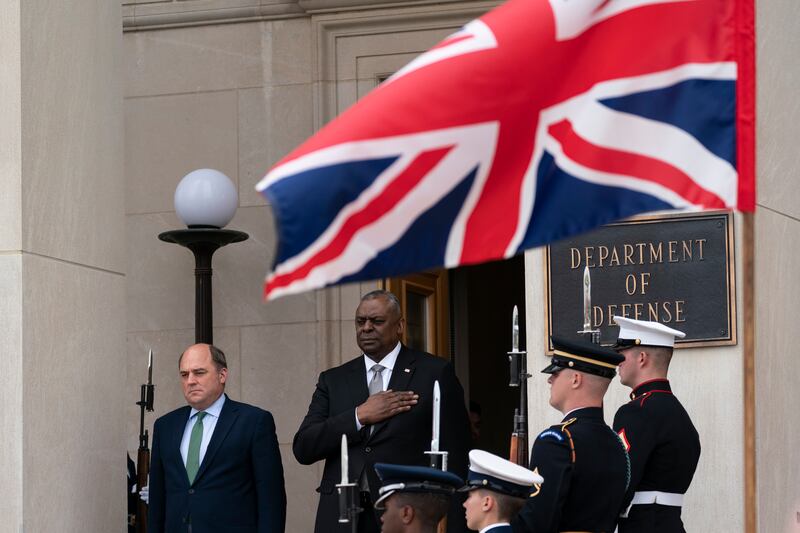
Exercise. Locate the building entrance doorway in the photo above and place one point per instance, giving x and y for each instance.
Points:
(482, 299)
(465, 315)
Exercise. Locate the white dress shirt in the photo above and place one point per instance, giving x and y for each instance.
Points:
(209, 423)
(388, 364)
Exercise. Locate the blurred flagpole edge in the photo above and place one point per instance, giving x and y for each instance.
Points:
(746, 154)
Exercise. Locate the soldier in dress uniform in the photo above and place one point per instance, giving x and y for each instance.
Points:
(583, 463)
(414, 498)
(497, 491)
(657, 432)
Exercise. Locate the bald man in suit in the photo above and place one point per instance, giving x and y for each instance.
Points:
(215, 463)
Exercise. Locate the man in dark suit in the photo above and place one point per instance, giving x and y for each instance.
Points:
(215, 463)
(383, 402)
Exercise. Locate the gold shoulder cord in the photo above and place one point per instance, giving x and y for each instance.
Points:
(564, 429)
(569, 435)
(537, 486)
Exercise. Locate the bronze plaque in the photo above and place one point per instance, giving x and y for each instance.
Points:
(676, 269)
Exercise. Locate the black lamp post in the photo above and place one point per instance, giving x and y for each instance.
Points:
(205, 201)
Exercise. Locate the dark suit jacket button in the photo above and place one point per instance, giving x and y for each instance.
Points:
(367, 449)
(191, 491)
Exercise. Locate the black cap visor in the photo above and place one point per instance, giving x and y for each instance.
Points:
(487, 482)
(552, 368)
(621, 344)
(559, 363)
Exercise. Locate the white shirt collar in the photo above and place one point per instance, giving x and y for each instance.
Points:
(386, 362)
(214, 409)
(492, 526)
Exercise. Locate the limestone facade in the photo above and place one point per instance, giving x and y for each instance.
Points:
(62, 266)
(777, 241)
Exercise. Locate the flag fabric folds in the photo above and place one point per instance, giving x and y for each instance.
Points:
(540, 120)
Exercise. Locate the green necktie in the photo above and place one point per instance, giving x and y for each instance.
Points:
(193, 457)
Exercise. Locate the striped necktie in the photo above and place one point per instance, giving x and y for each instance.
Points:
(376, 383)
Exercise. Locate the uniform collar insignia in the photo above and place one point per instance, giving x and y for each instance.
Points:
(660, 385)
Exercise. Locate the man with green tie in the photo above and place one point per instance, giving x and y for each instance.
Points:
(215, 463)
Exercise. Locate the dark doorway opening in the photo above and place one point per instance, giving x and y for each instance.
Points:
(482, 299)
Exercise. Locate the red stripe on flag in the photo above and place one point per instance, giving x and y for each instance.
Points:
(629, 164)
(746, 105)
(384, 202)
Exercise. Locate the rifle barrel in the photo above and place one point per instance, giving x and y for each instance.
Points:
(142, 471)
(518, 453)
(145, 403)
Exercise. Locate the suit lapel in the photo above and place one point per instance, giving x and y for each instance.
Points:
(227, 417)
(357, 384)
(403, 370)
(175, 436)
(401, 376)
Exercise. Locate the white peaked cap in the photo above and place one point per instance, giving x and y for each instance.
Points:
(642, 332)
(484, 463)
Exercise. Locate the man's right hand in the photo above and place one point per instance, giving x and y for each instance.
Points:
(383, 405)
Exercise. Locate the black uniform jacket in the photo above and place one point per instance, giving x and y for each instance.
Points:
(239, 486)
(585, 471)
(133, 495)
(401, 439)
(664, 448)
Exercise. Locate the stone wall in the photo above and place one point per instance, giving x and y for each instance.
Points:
(62, 266)
(234, 97)
(777, 236)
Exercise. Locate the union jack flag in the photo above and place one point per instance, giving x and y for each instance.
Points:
(540, 120)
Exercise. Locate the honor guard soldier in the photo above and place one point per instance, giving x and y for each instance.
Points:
(414, 498)
(657, 432)
(497, 491)
(583, 462)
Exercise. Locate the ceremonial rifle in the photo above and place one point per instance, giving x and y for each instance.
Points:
(143, 456)
(438, 458)
(518, 377)
(592, 335)
(349, 507)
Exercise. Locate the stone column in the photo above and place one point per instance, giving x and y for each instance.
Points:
(777, 291)
(62, 257)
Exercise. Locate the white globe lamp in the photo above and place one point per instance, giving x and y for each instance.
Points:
(205, 201)
(206, 198)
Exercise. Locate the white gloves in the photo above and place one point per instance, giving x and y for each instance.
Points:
(144, 494)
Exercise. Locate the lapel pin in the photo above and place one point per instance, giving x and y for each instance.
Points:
(406, 370)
